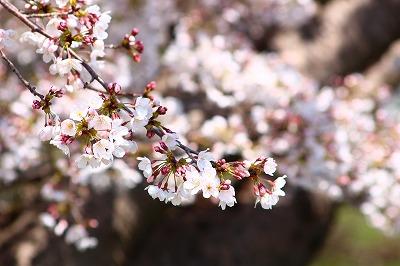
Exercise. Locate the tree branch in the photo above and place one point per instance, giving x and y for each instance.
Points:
(26, 83)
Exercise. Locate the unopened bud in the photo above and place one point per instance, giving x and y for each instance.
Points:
(150, 134)
(62, 26)
(114, 88)
(163, 146)
(159, 149)
(151, 85)
(137, 58)
(134, 32)
(162, 110)
(165, 170)
(36, 104)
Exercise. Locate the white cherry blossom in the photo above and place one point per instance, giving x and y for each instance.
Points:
(270, 166)
(68, 127)
(204, 159)
(103, 150)
(171, 140)
(60, 143)
(145, 166)
(193, 183)
(100, 122)
(87, 159)
(227, 197)
(6, 37)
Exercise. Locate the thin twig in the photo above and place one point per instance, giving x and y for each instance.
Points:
(26, 83)
(46, 15)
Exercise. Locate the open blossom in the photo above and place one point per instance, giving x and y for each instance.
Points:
(193, 181)
(204, 159)
(171, 140)
(100, 27)
(62, 3)
(279, 183)
(157, 192)
(226, 195)
(100, 122)
(267, 199)
(78, 113)
(64, 66)
(52, 27)
(87, 159)
(145, 166)
(103, 150)
(68, 127)
(5, 37)
(209, 183)
(47, 48)
(270, 166)
(143, 109)
(48, 132)
(117, 134)
(61, 142)
(32, 38)
(97, 50)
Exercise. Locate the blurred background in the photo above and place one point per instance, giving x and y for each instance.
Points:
(311, 83)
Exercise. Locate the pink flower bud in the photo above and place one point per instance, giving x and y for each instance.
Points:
(150, 134)
(162, 110)
(137, 58)
(62, 26)
(139, 47)
(165, 170)
(114, 88)
(159, 149)
(134, 32)
(163, 146)
(36, 104)
(224, 186)
(151, 85)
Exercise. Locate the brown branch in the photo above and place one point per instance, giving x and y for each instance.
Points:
(26, 83)
(46, 15)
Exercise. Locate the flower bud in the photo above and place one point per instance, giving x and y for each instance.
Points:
(139, 47)
(150, 133)
(163, 146)
(36, 104)
(62, 26)
(159, 149)
(162, 110)
(151, 85)
(165, 170)
(137, 58)
(134, 32)
(114, 88)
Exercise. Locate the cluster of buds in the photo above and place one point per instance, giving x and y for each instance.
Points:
(235, 169)
(134, 46)
(38, 6)
(45, 103)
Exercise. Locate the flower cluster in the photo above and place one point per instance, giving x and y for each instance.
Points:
(132, 45)
(179, 180)
(74, 26)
